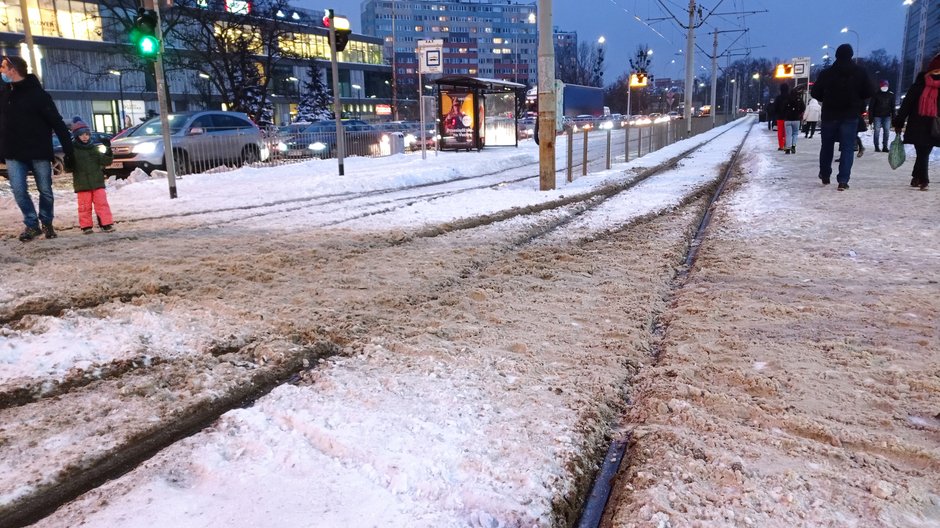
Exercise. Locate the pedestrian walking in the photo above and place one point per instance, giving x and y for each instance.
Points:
(811, 117)
(842, 90)
(771, 115)
(88, 178)
(916, 117)
(28, 118)
(793, 108)
(779, 104)
(880, 114)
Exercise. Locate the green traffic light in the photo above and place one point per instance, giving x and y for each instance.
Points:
(148, 46)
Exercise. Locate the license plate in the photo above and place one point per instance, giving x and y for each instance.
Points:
(116, 165)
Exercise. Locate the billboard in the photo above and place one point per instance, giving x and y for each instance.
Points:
(457, 115)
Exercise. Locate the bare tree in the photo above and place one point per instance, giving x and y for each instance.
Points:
(585, 67)
(239, 52)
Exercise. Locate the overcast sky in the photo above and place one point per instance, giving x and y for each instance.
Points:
(788, 28)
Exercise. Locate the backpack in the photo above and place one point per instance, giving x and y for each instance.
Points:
(794, 106)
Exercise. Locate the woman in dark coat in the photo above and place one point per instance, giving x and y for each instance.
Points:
(919, 109)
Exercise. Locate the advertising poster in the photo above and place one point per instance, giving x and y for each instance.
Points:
(457, 117)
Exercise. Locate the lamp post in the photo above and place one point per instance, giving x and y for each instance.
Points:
(122, 114)
(858, 46)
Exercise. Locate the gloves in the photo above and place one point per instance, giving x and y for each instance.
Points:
(106, 142)
(69, 162)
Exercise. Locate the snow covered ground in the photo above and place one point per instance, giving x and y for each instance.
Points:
(480, 379)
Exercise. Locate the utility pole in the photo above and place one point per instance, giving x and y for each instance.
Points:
(547, 98)
(690, 56)
(689, 68)
(28, 33)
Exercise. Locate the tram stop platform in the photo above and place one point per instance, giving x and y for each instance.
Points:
(799, 378)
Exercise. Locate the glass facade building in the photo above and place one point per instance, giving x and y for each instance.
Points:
(83, 62)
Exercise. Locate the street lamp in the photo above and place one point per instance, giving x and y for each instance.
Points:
(122, 113)
(858, 46)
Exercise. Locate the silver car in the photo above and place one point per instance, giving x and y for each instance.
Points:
(201, 140)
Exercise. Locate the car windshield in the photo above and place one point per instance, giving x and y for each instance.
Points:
(153, 127)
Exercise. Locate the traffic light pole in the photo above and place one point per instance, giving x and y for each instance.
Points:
(168, 156)
(337, 103)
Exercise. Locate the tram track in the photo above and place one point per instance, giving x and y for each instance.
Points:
(43, 501)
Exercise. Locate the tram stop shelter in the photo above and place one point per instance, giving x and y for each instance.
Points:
(474, 112)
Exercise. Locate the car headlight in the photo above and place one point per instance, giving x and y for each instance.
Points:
(410, 139)
(281, 146)
(102, 149)
(148, 147)
(317, 146)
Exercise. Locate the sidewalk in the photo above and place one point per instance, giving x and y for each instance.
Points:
(799, 382)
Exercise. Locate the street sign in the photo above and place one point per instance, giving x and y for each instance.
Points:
(430, 56)
(801, 67)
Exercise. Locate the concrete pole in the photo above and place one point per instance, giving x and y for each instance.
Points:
(28, 33)
(547, 98)
(714, 99)
(689, 69)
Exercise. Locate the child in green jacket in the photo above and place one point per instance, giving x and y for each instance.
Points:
(88, 178)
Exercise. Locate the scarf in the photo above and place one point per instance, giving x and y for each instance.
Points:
(928, 99)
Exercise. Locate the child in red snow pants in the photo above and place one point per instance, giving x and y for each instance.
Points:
(98, 199)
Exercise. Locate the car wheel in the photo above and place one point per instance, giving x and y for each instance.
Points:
(181, 162)
(250, 155)
(58, 166)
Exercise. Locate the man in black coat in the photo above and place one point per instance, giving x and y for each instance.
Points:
(27, 119)
(881, 113)
(842, 89)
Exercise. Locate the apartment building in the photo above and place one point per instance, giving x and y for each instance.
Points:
(490, 39)
(921, 40)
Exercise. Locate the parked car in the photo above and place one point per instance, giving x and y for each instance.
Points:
(319, 140)
(201, 140)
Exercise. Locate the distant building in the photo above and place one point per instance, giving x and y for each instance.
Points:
(921, 41)
(566, 49)
(83, 64)
(494, 39)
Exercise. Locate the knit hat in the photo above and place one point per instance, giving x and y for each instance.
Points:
(934, 63)
(79, 127)
(845, 51)
(885, 83)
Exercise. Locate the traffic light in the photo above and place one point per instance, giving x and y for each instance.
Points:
(144, 34)
(638, 80)
(341, 27)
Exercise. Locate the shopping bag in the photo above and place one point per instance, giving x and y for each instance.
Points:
(896, 155)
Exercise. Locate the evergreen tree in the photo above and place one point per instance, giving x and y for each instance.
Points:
(316, 102)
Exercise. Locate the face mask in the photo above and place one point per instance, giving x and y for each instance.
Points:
(884, 88)
(6, 78)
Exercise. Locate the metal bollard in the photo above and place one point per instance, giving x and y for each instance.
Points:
(608, 149)
(626, 143)
(585, 158)
(570, 133)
